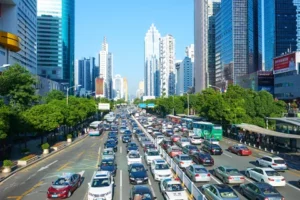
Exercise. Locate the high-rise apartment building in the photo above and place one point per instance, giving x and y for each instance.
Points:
(190, 52)
(106, 68)
(118, 87)
(125, 85)
(140, 90)
(84, 74)
(167, 65)
(185, 75)
(18, 33)
(55, 39)
(203, 35)
(151, 70)
(238, 40)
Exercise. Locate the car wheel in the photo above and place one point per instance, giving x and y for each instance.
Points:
(79, 184)
(239, 154)
(69, 194)
(257, 163)
(248, 174)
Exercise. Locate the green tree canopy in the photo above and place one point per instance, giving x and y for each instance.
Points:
(54, 95)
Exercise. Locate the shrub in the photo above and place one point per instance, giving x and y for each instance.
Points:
(69, 136)
(45, 146)
(8, 163)
(28, 157)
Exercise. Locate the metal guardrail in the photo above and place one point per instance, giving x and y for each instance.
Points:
(189, 184)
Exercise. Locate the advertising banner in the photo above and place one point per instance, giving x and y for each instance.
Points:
(284, 63)
(99, 86)
(104, 106)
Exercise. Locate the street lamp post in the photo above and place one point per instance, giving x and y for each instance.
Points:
(188, 100)
(173, 106)
(68, 88)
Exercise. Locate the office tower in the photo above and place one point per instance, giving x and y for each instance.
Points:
(56, 32)
(140, 90)
(106, 68)
(152, 84)
(125, 85)
(237, 40)
(204, 41)
(282, 29)
(184, 75)
(178, 77)
(18, 33)
(84, 74)
(118, 87)
(190, 52)
(167, 65)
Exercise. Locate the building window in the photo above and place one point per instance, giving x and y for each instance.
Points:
(44, 72)
(53, 71)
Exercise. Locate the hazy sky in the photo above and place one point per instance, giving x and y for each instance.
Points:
(125, 23)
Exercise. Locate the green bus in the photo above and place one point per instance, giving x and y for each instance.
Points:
(208, 130)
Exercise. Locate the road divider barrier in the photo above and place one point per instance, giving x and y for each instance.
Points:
(195, 193)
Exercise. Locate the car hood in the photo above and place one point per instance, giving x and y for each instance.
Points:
(177, 195)
(133, 148)
(138, 174)
(99, 190)
(163, 172)
(110, 145)
(57, 188)
(153, 157)
(108, 168)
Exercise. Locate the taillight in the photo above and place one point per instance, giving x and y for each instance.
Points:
(274, 164)
(242, 177)
(283, 179)
(282, 198)
(197, 175)
(213, 150)
(270, 179)
(208, 174)
(266, 198)
(230, 177)
(181, 162)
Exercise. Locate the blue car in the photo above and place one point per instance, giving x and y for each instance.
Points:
(132, 147)
(111, 143)
(108, 165)
(126, 138)
(112, 137)
(219, 192)
(127, 132)
(260, 191)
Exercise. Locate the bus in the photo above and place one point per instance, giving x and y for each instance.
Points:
(95, 128)
(174, 119)
(187, 122)
(208, 130)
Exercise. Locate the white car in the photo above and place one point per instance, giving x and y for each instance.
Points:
(151, 154)
(267, 175)
(150, 130)
(275, 162)
(101, 186)
(133, 157)
(159, 139)
(196, 139)
(173, 190)
(160, 170)
(213, 141)
(183, 160)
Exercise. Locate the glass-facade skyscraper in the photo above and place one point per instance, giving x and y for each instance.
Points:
(282, 28)
(55, 41)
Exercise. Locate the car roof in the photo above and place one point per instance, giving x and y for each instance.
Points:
(141, 188)
(108, 159)
(222, 186)
(137, 164)
(158, 161)
(133, 152)
(108, 149)
(265, 168)
(101, 174)
(171, 181)
(262, 185)
(198, 166)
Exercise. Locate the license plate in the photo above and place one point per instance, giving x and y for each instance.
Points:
(139, 181)
(177, 194)
(203, 176)
(54, 195)
(208, 161)
(236, 178)
(277, 180)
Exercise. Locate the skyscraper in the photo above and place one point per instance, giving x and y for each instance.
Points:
(118, 87)
(125, 85)
(167, 65)
(190, 52)
(56, 32)
(203, 36)
(18, 33)
(106, 68)
(140, 90)
(152, 83)
(84, 73)
(185, 76)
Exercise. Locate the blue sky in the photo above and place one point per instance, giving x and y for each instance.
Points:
(125, 23)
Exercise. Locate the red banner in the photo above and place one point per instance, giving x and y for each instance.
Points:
(99, 86)
(285, 63)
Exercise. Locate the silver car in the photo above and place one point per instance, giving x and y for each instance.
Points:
(229, 175)
(198, 173)
(183, 160)
(108, 153)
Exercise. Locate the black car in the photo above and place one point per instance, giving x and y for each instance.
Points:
(190, 149)
(142, 191)
(126, 138)
(111, 143)
(260, 191)
(114, 128)
(203, 159)
(108, 165)
(137, 174)
(213, 149)
(106, 127)
(132, 147)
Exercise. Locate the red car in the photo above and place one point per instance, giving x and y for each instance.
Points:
(175, 138)
(240, 150)
(174, 151)
(165, 144)
(64, 186)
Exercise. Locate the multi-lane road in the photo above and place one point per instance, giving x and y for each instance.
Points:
(84, 157)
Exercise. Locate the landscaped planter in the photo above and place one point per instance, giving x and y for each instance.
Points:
(45, 148)
(69, 140)
(6, 169)
(45, 151)
(24, 161)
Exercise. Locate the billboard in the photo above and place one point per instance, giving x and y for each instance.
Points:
(104, 106)
(143, 105)
(284, 63)
(99, 86)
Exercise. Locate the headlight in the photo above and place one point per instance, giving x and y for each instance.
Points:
(108, 193)
(91, 194)
(131, 178)
(146, 178)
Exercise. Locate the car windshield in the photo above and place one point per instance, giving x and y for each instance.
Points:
(184, 140)
(134, 155)
(176, 149)
(228, 194)
(100, 182)
(108, 153)
(137, 169)
(61, 182)
(123, 128)
(150, 146)
(161, 166)
(216, 147)
(193, 148)
(175, 187)
(185, 158)
(200, 170)
(269, 190)
(196, 138)
(272, 173)
(232, 171)
(168, 142)
(279, 161)
(142, 197)
(132, 145)
(107, 163)
(153, 153)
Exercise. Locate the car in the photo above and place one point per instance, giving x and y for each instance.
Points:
(149, 146)
(175, 138)
(123, 129)
(111, 143)
(64, 186)
(113, 137)
(150, 130)
(229, 175)
(126, 138)
(219, 192)
(172, 189)
(275, 162)
(212, 141)
(141, 137)
(213, 149)
(267, 175)
(260, 191)
(157, 134)
(137, 174)
(182, 142)
(133, 157)
(150, 155)
(108, 153)
(240, 150)
(132, 147)
(183, 160)
(114, 128)
(190, 149)
(142, 192)
(128, 132)
(108, 165)
(112, 133)
(198, 173)
(101, 186)
(174, 151)
(169, 132)
(145, 142)
(160, 169)
(166, 143)
(203, 159)
(106, 127)
(196, 139)
(159, 139)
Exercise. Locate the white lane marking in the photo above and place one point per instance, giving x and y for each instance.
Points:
(47, 166)
(215, 179)
(293, 186)
(7, 178)
(120, 149)
(31, 176)
(227, 155)
(150, 182)
(81, 173)
(153, 191)
(99, 150)
(121, 185)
